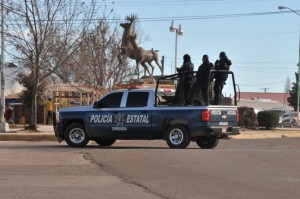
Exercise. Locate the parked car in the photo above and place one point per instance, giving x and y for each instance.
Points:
(285, 117)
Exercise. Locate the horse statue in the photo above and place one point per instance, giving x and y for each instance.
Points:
(126, 46)
(130, 48)
(143, 56)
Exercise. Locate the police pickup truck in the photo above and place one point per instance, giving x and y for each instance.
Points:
(138, 114)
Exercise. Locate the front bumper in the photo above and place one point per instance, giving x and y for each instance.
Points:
(58, 133)
(57, 128)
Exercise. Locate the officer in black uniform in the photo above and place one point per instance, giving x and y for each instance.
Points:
(220, 78)
(187, 66)
(203, 79)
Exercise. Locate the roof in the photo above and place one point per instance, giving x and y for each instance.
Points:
(278, 97)
(260, 105)
(13, 96)
(72, 88)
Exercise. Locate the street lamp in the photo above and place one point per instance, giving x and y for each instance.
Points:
(287, 8)
(179, 32)
(298, 83)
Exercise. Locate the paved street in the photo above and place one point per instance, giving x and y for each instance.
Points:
(265, 168)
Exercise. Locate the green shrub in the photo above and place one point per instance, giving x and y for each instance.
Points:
(267, 119)
(247, 117)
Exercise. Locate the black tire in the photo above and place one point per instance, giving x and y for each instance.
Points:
(177, 137)
(105, 141)
(75, 135)
(207, 142)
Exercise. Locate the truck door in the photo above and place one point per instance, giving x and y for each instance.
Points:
(103, 120)
(137, 114)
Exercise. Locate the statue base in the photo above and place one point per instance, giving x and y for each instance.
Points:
(144, 82)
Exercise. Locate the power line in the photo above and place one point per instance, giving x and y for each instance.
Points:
(274, 83)
(183, 18)
(180, 3)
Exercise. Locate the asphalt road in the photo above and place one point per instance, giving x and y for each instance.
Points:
(265, 168)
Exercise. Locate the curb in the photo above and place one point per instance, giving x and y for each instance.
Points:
(267, 135)
(27, 136)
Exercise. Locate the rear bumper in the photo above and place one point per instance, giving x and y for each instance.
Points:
(217, 131)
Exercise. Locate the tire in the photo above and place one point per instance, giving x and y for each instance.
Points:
(105, 141)
(75, 135)
(207, 142)
(177, 137)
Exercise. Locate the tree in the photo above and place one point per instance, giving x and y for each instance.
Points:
(26, 96)
(98, 61)
(46, 34)
(292, 99)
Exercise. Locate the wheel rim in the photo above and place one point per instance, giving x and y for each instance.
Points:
(176, 136)
(77, 135)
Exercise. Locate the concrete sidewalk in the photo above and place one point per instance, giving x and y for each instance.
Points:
(264, 134)
(18, 133)
(46, 132)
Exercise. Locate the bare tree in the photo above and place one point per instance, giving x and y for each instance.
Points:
(46, 34)
(97, 62)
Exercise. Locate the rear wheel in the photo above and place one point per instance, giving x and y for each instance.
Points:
(75, 135)
(207, 142)
(177, 136)
(105, 141)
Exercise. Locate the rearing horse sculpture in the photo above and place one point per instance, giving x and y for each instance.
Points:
(126, 46)
(142, 56)
(130, 48)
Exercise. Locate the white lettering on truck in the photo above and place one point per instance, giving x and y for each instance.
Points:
(216, 112)
(101, 119)
(137, 119)
(131, 119)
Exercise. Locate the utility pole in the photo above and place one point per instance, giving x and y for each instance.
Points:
(3, 125)
(265, 89)
(162, 65)
(298, 83)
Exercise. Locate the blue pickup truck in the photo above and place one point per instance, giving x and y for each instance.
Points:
(134, 114)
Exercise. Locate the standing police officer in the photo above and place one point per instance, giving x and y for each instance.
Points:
(203, 80)
(220, 78)
(185, 82)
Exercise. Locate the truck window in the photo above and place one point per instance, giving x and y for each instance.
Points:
(137, 99)
(112, 100)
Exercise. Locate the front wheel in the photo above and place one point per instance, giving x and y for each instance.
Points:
(177, 136)
(105, 141)
(207, 142)
(75, 135)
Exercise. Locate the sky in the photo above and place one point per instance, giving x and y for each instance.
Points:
(261, 40)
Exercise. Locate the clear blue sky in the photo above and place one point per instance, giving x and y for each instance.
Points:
(264, 49)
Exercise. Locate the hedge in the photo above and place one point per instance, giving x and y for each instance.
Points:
(268, 119)
(247, 117)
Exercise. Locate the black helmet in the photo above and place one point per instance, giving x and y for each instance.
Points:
(222, 54)
(205, 57)
(186, 58)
